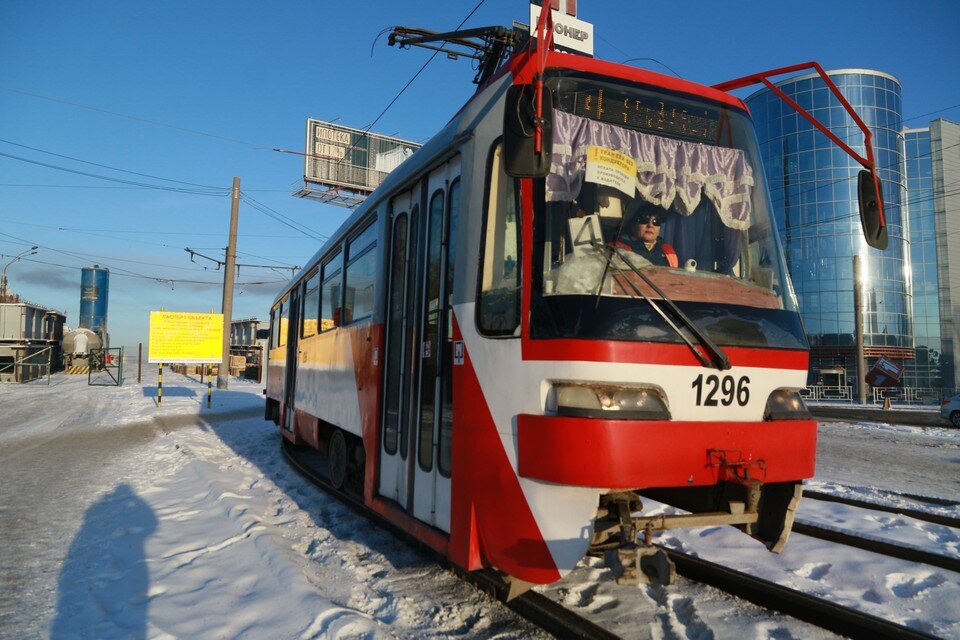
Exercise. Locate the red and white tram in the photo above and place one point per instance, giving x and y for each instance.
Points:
(484, 364)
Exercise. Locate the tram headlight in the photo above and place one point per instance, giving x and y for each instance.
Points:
(610, 402)
(786, 404)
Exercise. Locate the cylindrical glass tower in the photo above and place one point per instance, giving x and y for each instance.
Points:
(814, 191)
(94, 289)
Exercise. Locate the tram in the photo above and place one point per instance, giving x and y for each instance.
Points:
(482, 358)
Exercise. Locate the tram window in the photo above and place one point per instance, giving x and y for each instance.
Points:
(444, 458)
(394, 360)
(432, 317)
(499, 300)
(360, 273)
(284, 323)
(274, 330)
(311, 306)
(330, 310)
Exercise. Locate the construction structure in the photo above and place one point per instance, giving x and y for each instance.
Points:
(30, 338)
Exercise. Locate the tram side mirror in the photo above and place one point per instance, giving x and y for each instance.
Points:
(520, 159)
(870, 196)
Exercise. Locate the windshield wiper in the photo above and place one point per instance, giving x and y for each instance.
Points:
(717, 360)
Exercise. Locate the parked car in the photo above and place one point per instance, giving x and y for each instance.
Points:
(950, 410)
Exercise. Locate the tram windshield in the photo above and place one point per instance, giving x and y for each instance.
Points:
(655, 195)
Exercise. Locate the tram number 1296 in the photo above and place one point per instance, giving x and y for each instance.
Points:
(730, 390)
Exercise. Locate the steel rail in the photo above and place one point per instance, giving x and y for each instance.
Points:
(926, 516)
(770, 595)
(890, 549)
(537, 609)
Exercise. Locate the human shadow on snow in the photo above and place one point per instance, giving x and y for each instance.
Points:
(102, 589)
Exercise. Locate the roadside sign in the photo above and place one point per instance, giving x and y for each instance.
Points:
(183, 337)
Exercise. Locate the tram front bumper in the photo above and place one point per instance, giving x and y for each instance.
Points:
(638, 454)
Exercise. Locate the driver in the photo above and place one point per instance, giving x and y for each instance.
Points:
(643, 237)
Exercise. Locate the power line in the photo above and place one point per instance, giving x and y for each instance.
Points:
(282, 219)
(409, 82)
(218, 283)
(366, 130)
(151, 232)
(104, 166)
(136, 118)
(218, 193)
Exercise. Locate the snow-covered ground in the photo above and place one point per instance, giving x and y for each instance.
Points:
(119, 519)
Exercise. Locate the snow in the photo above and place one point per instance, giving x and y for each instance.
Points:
(120, 519)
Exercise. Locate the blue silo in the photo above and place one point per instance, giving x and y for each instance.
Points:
(94, 287)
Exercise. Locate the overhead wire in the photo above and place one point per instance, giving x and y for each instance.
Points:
(136, 118)
(366, 130)
(205, 192)
(104, 166)
(158, 279)
(281, 218)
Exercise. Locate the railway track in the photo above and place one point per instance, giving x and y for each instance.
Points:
(550, 616)
(828, 615)
(890, 549)
(916, 514)
(564, 623)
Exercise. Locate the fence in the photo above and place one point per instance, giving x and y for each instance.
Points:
(32, 366)
(912, 395)
(106, 367)
(897, 395)
(821, 392)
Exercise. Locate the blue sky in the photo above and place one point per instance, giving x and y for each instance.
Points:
(199, 92)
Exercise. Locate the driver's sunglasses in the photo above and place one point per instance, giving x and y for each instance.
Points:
(651, 220)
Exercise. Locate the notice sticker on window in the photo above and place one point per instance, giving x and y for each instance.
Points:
(611, 168)
(458, 352)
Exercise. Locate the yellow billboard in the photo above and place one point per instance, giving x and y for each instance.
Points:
(183, 337)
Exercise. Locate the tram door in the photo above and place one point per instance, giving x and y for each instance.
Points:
(417, 415)
(292, 360)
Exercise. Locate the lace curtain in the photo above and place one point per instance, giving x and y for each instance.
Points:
(670, 173)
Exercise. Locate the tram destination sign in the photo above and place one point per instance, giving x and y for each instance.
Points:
(343, 157)
(178, 337)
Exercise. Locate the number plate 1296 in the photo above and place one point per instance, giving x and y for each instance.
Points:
(713, 390)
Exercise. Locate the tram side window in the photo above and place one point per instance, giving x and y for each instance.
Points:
(360, 272)
(330, 311)
(311, 306)
(284, 316)
(445, 457)
(499, 303)
(274, 329)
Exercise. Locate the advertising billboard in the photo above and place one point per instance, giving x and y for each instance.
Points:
(189, 338)
(348, 158)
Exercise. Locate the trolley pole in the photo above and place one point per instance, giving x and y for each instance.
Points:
(858, 325)
(224, 371)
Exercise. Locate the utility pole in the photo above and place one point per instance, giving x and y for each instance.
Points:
(858, 324)
(229, 267)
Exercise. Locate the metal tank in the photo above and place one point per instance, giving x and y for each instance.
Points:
(80, 342)
(94, 289)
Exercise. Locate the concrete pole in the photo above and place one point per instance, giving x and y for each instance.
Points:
(858, 324)
(224, 372)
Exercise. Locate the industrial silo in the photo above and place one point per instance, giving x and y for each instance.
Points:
(94, 288)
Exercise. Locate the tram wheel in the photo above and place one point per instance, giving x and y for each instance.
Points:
(337, 459)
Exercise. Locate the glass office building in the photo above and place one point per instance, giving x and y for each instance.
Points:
(925, 370)
(814, 190)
